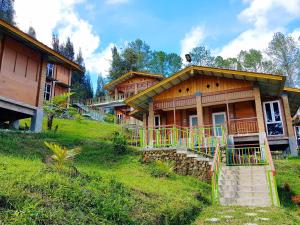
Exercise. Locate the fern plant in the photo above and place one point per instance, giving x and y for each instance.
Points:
(61, 155)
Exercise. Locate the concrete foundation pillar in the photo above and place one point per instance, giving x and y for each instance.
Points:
(37, 121)
(293, 146)
(15, 125)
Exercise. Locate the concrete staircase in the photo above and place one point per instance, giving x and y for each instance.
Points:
(87, 111)
(244, 186)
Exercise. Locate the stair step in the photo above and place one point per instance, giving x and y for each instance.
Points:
(262, 202)
(244, 194)
(243, 188)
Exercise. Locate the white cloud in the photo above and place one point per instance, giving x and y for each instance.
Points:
(265, 17)
(116, 2)
(192, 39)
(60, 15)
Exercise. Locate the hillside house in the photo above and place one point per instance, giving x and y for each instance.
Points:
(24, 64)
(122, 88)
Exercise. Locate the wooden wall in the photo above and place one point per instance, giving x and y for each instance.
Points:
(62, 74)
(134, 80)
(58, 90)
(19, 74)
(203, 84)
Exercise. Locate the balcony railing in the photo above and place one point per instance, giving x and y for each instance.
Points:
(243, 126)
(106, 99)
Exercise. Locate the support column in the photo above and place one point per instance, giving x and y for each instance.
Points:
(145, 129)
(116, 94)
(289, 125)
(259, 115)
(199, 109)
(151, 123)
(37, 121)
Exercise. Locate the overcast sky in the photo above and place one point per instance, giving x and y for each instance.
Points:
(224, 26)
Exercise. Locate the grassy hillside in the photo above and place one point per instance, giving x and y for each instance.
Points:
(109, 189)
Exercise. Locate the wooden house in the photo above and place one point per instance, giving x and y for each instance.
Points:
(199, 106)
(24, 65)
(122, 88)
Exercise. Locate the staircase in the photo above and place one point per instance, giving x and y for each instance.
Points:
(87, 111)
(244, 186)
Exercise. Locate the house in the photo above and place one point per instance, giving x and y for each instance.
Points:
(199, 106)
(24, 64)
(122, 88)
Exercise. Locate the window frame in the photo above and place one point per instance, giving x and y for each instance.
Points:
(273, 117)
(46, 92)
(156, 116)
(50, 67)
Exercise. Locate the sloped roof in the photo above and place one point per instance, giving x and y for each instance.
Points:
(35, 44)
(269, 84)
(294, 98)
(129, 75)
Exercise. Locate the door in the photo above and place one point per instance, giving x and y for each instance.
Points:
(219, 119)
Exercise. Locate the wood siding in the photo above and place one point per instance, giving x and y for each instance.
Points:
(19, 75)
(62, 74)
(203, 84)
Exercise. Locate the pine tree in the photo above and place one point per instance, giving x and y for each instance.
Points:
(55, 42)
(7, 11)
(69, 49)
(100, 86)
(117, 68)
(31, 32)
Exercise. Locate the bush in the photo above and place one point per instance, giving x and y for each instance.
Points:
(119, 143)
(162, 168)
(109, 118)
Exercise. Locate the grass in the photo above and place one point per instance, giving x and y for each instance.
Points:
(109, 189)
(112, 188)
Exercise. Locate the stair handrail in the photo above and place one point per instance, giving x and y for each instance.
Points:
(269, 157)
(214, 171)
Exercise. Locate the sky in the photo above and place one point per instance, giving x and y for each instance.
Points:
(223, 26)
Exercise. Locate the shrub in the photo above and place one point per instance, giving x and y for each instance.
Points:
(162, 168)
(119, 143)
(61, 155)
(109, 118)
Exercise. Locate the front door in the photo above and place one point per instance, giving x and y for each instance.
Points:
(219, 119)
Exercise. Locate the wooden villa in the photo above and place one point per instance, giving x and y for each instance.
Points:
(29, 73)
(122, 88)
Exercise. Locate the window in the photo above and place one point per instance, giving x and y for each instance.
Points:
(273, 118)
(157, 121)
(297, 131)
(50, 70)
(47, 91)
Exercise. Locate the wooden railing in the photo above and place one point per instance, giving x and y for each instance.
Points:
(175, 102)
(248, 155)
(243, 126)
(215, 170)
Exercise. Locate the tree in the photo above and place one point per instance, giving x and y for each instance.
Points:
(130, 60)
(55, 42)
(164, 63)
(285, 55)
(201, 56)
(117, 65)
(87, 86)
(229, 63)
(142, 53)
(7, 11)
(55, 107)
(100, 86)
(67, 49)
(31, 32)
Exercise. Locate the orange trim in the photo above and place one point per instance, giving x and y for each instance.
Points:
(38, 44)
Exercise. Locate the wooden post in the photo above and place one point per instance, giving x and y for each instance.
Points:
(174, 114)
(135, 89)
(145, 128)
(199, 109)
(289, 124)
(151, 123)
(259, 111)
(116, 94)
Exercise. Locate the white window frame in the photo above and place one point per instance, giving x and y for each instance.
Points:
(273, 117)
(295, 129)
(46, 92)
(156, 116)
(50, 67)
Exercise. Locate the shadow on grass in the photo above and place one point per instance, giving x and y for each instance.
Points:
(285, 197)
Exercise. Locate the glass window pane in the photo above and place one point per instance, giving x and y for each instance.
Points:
(275, 128)
(194, 121)
(268, 112)
(276, 111)
(219, 119)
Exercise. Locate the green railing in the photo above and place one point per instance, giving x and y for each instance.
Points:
(249, 155)
(215, 171)
(198, 139)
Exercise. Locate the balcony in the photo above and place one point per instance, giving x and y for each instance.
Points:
(243, 126)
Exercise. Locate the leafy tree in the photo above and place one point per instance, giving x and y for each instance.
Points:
(164, 63)
(130, 60)
(142, 53)
(285, 56)
(201, 56)
(31, 32)
(100, 86)
(55, 107)
(7, 11)
(229, 63)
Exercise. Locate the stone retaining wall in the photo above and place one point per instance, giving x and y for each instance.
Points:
(183, 165)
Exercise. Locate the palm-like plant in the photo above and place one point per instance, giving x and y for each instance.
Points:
(61, 155)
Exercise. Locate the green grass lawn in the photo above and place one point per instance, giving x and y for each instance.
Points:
(110, 188)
